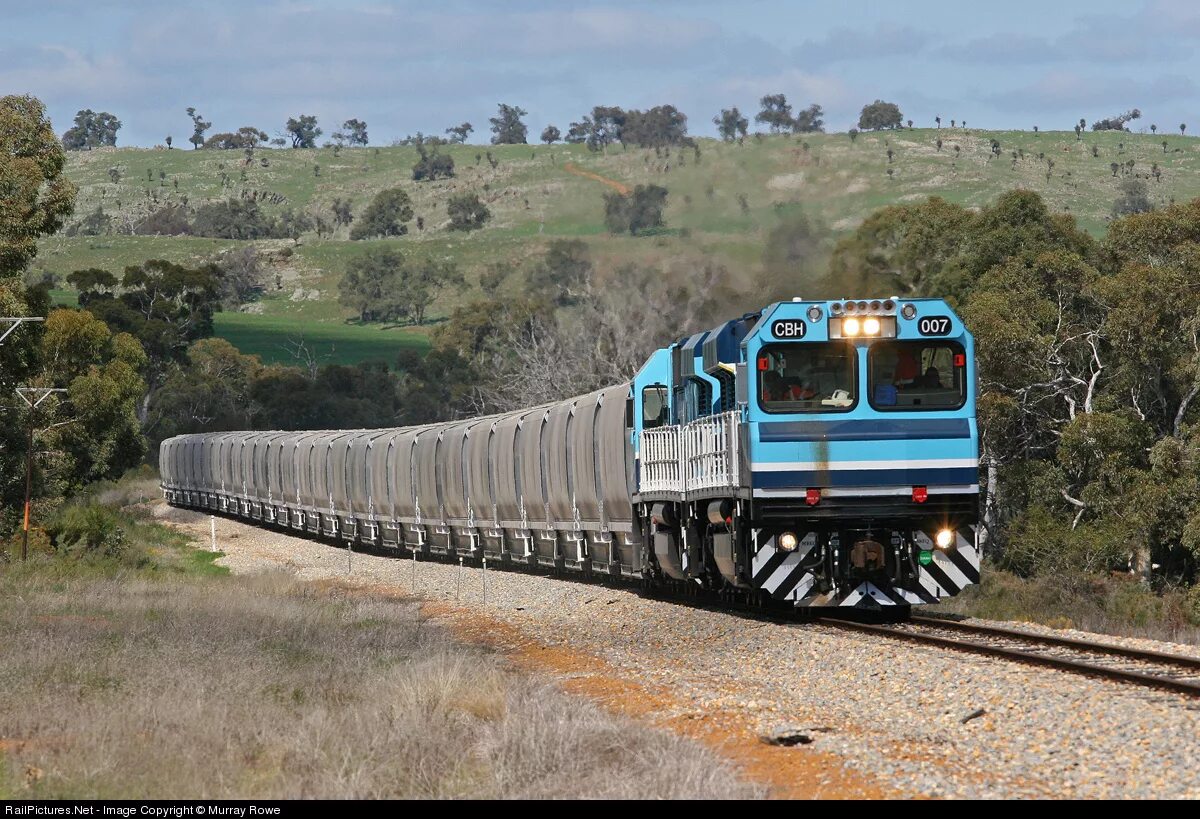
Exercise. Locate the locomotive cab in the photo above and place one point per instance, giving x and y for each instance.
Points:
(864, 452)
(834, 462)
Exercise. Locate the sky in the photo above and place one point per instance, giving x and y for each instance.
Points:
(406, 66)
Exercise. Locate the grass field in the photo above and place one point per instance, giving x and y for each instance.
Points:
(153, 674)
(720, 206)
(276, 338)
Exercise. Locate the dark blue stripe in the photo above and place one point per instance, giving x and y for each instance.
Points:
(870, 430)
(866, 477)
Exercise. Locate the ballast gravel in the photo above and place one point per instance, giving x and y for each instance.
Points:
(911, 720)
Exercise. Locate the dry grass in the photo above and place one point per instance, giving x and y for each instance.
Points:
(262, 687)
(1105, 604)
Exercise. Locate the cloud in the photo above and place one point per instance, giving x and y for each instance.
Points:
(858, 44)
(1066, 91)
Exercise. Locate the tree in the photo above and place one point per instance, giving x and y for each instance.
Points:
(1117, 123)
(809, 120)
(341, 212)
(387, 215)
(169, 220)
(467, 212)
(1182, 128)
(354, 131)
(459, 133)
(96, 223)
(242, 277)
(382, 285)
(199, 126)
(775, 113)
(881, 115)
(658, 127)
(731, 124)
(635, 212)
(233, 219)
(245, 137)
(304, 131)
(37, 197)
(551, 134)
(432, 165)
(165, 306)
(606, 125)
(92, 130)
(1134, 198)
(507, 127)
(563, 273)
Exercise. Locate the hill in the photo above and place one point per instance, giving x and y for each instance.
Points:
(722, 203)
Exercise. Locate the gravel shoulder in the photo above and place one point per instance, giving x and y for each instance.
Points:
(874, 717)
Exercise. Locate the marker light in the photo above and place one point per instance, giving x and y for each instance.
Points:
(909, 311)
(814, 313)
(871, 327)
(788, 542)
(944, 538)
(850, 327)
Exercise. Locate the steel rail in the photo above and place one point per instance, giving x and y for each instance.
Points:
(1032, 657)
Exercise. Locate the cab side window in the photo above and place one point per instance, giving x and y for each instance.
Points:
(654, 406)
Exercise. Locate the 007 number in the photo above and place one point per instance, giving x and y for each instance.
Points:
(934, 326)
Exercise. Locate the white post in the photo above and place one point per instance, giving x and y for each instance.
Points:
(414, 572)
(212, 519)
(485, 580)
(349, 556)
(458, 581)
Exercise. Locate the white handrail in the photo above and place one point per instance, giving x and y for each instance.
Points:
(700, 455)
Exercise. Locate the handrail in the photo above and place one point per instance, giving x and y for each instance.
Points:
(700, 455)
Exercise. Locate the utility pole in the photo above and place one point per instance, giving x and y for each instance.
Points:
(32, 396)
(16, 321)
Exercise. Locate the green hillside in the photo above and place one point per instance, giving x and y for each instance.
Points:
(719, 207)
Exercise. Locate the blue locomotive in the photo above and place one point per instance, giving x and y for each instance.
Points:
(823, 453)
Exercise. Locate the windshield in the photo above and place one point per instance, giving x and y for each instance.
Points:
(917, 375)
(818, 377)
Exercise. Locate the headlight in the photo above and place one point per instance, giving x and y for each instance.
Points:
(787, 542)
(944, 538)
(871, 327)
(850, 327)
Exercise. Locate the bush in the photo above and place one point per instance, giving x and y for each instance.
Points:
(433, 166)
(467, 212)
(387, 215)
(636, 212)
(88, 530)
(233, 219)
(169, 220)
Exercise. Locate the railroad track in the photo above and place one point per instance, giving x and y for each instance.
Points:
(1154, 669)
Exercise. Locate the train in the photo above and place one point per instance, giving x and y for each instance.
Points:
(819, 454)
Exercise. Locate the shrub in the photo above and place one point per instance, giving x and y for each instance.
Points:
(433, 166)
(387, 215)
(467, 212)
(89, 530)
(636, 212)
(169, 220)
